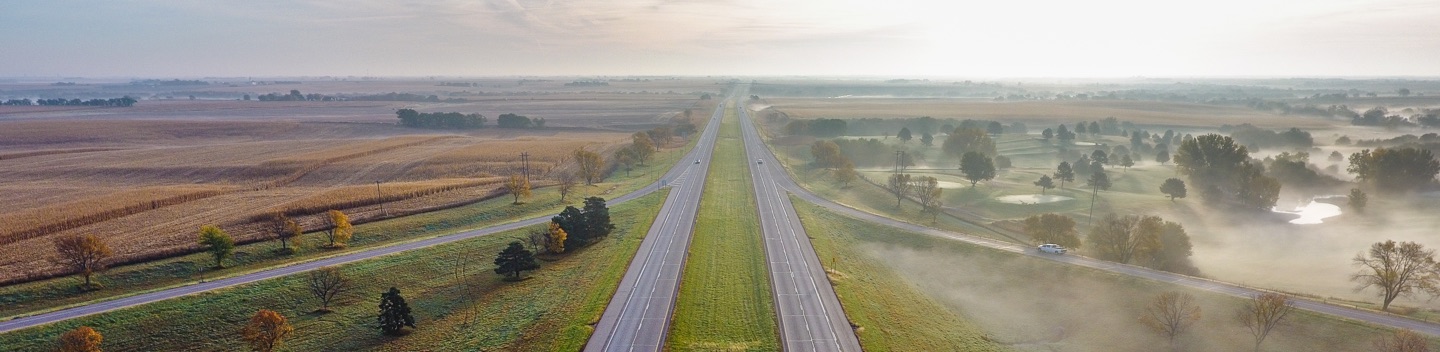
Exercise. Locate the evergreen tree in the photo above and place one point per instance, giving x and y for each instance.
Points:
(1064, 174)
(394, 313)
(514, 259)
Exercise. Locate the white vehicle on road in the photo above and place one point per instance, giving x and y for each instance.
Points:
(1051, 248)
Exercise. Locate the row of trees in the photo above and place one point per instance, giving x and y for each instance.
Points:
(823, 128)
(1132, 239)
(925, 189)
(120, 102)
(87, 255)
(439, 120)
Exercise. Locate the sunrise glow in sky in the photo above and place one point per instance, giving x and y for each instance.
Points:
(1104, 38)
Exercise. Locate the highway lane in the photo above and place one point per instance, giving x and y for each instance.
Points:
(809, 312)
(638, 315)
(785, 182)
(680, 171)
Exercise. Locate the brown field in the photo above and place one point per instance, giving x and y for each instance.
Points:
(1037, 113)
(146, 178)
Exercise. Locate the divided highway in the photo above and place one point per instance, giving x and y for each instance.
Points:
(810, 315)
(678, 174)
(638, 315)
(783, 180)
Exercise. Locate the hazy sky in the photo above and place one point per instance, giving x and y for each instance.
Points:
(1097, 38)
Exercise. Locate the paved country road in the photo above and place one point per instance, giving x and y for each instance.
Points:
(679, 171)
(1368, 316)
(811, 318)
(638, 315)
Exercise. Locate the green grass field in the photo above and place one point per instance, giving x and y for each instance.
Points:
(1029, 304)
(890, 313)
(40, 296)
(458, 301)
(725, 301)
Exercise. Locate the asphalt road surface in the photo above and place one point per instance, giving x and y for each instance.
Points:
(783, 180)
(680, 172)
(638, 316)
(810, 315)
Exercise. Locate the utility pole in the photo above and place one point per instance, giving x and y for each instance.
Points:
(379, 199)
(525, 165)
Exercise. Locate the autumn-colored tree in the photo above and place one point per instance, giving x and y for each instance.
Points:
(899, 186)
(826, 154)
(1052, 228)
(846, 174)
(518, 187)
(1398, 269)
(394, 312)
(966, 140)
(338, 229)
(590, 164)
(325, 284)
(566, 184)
(1262, 313)
(83, 254)
(1403, 340)
(285, 230)
(626, 157)
(555, 238)
(217, 242)
(266, 330)
(1171, 314)
(1124, 239)
(81, 339)
(643, 147)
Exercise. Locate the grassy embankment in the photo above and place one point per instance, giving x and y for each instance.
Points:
(35, 297)
(890, 313)
(725, 301)
(459, 303)
(1024, 303)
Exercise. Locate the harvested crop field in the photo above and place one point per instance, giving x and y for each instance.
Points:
(146, 186)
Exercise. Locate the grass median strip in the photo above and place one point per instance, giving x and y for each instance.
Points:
(725, 301)
(459, 303)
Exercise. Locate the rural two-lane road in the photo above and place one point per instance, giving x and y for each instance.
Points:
(784, 180)
(809, 312)
(638, 316)
(680, 170)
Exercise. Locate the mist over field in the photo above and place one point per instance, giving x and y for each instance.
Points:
(1069, 167)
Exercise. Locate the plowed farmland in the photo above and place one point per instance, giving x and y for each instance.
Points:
(148, 200)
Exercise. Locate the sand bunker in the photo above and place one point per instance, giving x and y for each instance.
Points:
(1032, 199)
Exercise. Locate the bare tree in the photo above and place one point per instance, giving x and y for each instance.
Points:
(1171, 314)
(84, 254)
(285, 230)
(927, 190)
(325, 284)
(1403, 340)
(900, 187)
(1263, 313)
(1398, 269)
(567, 184)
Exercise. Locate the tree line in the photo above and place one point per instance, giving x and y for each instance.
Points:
(123, 102)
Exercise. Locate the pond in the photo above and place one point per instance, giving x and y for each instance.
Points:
(1032, 199)
(1313, 212)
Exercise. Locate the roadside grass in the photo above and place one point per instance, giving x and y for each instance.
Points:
(458, 301)
(725, 301)
(45, 295)
(1008, 301)
(888, 312)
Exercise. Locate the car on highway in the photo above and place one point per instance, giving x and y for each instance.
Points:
(758, 161)
(1051, 248)
(697, 161)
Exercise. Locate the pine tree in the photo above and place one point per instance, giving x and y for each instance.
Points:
(514, 259)
(394, 313)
